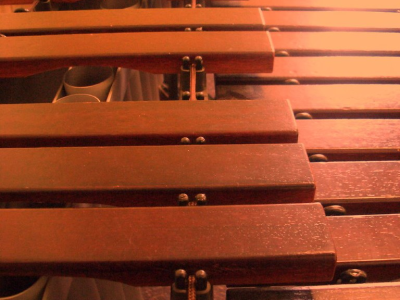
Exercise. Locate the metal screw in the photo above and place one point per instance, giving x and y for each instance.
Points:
(200, 140)
(201, 199)
(303, 116)
(180, 279)
(318, 158)
(201, 280)
(186, 95)
(183, 200)
(185, 141)
(334, 210)
(353, 276)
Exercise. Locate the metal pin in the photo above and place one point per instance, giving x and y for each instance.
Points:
(303, 116)
(180, 279)
(183, 200)
(201, 199)
(186, 95)
(200, 96)
(334, 210)
(200, 140)
(201, 280)
(318, 158)
(186, 63)
(185, 141)
(199, 63)
(353, 276)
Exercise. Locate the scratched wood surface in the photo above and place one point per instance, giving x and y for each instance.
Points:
(92, 21)
(360, 187)
(156, 52)
(320, 70)
(348, 139)
(370, 243)
(156, 175)
(336, 43)
(233, 244)
(146, 123)
(325, 101)
(368, 291)
(356, 5)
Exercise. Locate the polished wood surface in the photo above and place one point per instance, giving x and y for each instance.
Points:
(156, 52)
(383, 291)
(347, 139)
(319, 70)
(370, 243)
(325, 101)
(146, 123)
(156, 175)
(299, 5)
(115, 20)
(360, 187)
(234, 244)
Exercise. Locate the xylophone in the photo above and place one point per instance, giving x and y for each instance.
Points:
(281, 180)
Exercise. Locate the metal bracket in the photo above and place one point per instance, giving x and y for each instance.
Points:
(193, 287)
(192, 79)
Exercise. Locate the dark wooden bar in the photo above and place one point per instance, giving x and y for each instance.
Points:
(359, 139)
(369, 243)
(221, 51)
(309, 5)
(372, 291)
(146, 123)
(97, 21)
(360, 187)
(325, 101)
(156, 175)
(320, 70)
(144, 246)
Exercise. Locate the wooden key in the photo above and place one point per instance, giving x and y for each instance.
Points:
(144, 246)
(312, 70)
(360, 139)
(325, 101)
(368, 291)
(336, 43)
(332, 20)
(360, 187)
(157, 52)
(369, 243)
(356, 5)
(146, 123)
(157, 175)
(101, 21)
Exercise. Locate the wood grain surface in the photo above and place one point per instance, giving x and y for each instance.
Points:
(370, 243)
(156, 52)
(117, 20)
(360, 187)
(347, 139)
(368, 291)
(156, 175)
(325, 101)
(320, 70)
(371, 5)
(146, 123)
(144, 246)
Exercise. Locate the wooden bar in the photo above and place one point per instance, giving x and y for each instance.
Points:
(368, 291)
(111, 20)
(324, 101)
(144, 246)
(336, 43)
(156, 52)
(370, 243)
(156, 175)
(320, 70)
(146, 123)
(360, 187)
(332, 20)
(360, 139)
(305, 5)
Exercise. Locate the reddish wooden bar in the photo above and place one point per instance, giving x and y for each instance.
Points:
(360, 187)
(146, 123)
(325, 101)
(144, 246)
(156, 175)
